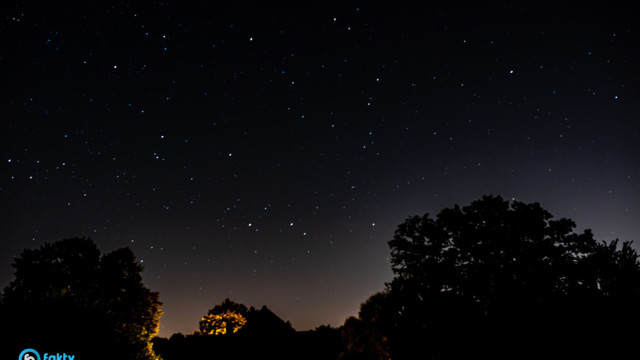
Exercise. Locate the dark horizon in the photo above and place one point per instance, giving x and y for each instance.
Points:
(266, 154)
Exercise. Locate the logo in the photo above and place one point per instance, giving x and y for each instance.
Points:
(29, 354)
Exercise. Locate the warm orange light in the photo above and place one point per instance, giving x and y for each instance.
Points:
(218, 324)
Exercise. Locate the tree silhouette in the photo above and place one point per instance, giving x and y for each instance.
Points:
(265, 336)
(225, 318)
(363, 337)
(500, 278)
(67, 295)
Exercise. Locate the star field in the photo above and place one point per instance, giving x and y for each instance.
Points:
(267, 153)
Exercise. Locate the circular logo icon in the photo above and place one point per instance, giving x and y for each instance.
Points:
(29, 354)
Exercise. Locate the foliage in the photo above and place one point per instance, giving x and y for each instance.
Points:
(265, 336)
(363, 337)
(494, 275)
(88, 299)
(223, 319)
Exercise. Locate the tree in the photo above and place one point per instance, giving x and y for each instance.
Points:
(77, 299)
(498, 275)
(363, 337)
(223, 319)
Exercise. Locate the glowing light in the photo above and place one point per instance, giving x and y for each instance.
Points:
(219, 324)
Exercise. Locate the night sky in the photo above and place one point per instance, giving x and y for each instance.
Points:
(267, 153)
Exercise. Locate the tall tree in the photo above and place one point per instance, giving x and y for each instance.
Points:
(66, 295)
(498, 275)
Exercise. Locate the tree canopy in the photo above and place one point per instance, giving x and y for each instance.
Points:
(225, 318)
(68, 295)
(230, 317)
(495, 273)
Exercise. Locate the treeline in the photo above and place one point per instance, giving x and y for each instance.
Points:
(321, 344)
(501, 280)
(493, 279)
(237, 332)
